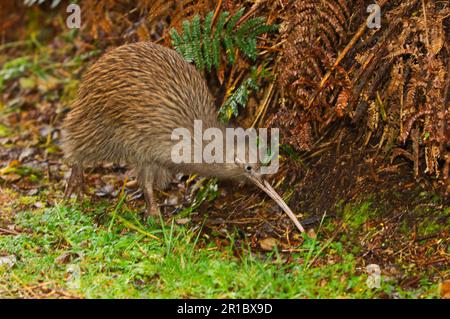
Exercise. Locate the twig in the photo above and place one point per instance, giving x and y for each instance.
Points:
(263, 106)
(216, 12)
(7, 231)
(24, 286)
(250, 12)
(427, 39)
(14, 44)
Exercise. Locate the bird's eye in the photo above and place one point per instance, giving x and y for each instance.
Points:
(248, 168)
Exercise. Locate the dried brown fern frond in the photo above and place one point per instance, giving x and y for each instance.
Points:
(186, 9)
(396, 76)
(313, 31)
(121, 21)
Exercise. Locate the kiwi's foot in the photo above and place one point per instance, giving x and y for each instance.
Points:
(152, 211)
(152, 207)
(75, 183)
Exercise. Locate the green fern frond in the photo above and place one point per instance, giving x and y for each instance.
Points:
(250, 24)
(187, 42)
(229, 47)
(232, 23)
(197, 43)
(207, 40)
(229, 37)
(263, 28)
(177, 42)
(239, 98)
(201, 45)
(217, 38)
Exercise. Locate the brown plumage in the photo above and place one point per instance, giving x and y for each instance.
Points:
(128, 104)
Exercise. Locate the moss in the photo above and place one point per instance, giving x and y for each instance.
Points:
(355, 216)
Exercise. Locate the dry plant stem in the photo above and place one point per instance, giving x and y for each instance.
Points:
(415, 139)
(250, 12)
(263, 106)
(216, 12)
(8, 231)
(341, 56)
(427, 38)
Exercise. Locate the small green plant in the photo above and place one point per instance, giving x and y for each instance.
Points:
(239, 97)
(13, 69)
(207, 192)
(201, 43)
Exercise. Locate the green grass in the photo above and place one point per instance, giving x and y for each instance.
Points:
(99, 255)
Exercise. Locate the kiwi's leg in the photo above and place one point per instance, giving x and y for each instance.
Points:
(146, 180)
(76, 182)
(152, 209)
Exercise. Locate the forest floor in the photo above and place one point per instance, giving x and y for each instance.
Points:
(212, 240)
(103, 249)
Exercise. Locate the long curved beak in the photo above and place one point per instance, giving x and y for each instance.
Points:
(268, 189)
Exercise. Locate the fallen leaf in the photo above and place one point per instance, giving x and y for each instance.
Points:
(13, 177)
(10, 167)
(27, 83)
(47, 84)
(171, 201)
(106, 190)
(268, 244)
(4, 131)
(8, 261)
(311, 233)
(38, 205)
(183, 221)
(444, 289)
(132, 184)
(26, 152)
(66, 257)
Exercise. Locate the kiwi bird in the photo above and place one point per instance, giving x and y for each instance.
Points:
(127, 106)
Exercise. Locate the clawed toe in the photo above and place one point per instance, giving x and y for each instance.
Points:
(152, 211)
(75, 183)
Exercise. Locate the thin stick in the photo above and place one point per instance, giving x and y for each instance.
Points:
(250, 12)
(263, 107)
(7, 231)
(216, 12)
(424, 8)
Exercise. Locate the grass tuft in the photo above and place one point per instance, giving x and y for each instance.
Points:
(67, 250)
